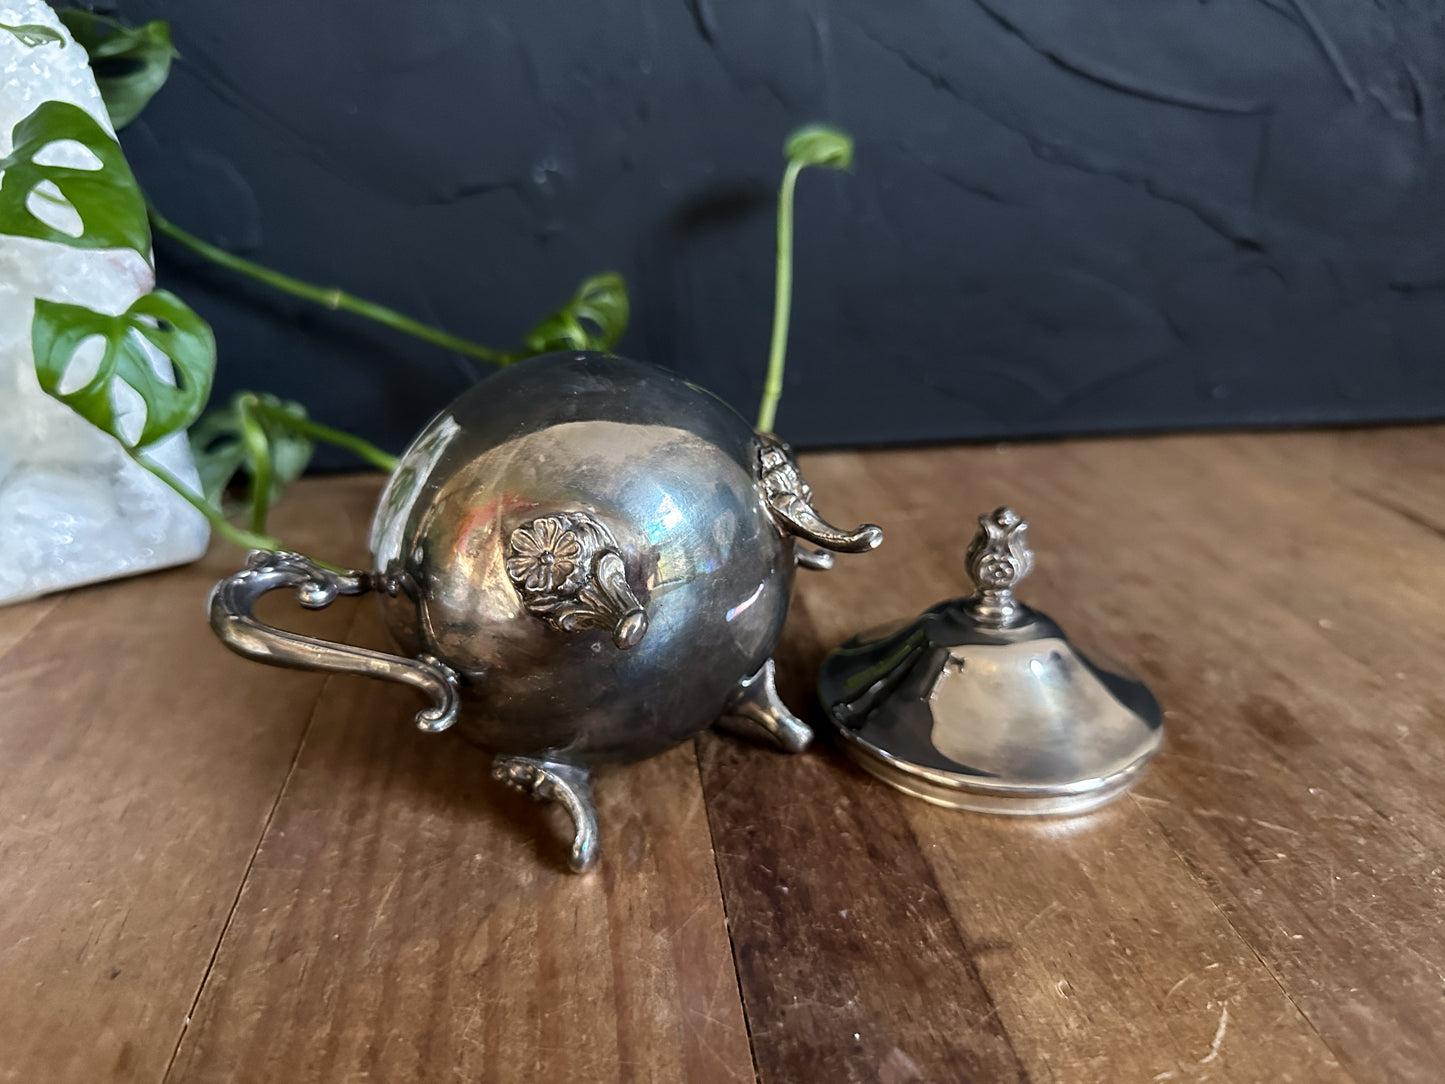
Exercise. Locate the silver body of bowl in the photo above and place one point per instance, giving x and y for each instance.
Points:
(586, 559)
(668, 469)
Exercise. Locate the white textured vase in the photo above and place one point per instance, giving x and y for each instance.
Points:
(73, 508)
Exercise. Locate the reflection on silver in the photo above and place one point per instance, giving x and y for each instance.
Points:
(984, 704)
(423, 454)
(596, 556)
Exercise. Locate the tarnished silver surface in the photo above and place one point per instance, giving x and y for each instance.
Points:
(601, 553)
(983, 703)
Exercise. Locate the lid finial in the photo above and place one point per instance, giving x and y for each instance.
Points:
(998, 560)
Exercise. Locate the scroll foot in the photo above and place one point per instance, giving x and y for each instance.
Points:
(755, 709)
(569, 786)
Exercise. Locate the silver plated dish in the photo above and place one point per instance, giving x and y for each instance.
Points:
(583, 560)
(984, 704)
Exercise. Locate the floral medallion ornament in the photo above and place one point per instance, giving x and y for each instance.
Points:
(569, 573)
(545, 555)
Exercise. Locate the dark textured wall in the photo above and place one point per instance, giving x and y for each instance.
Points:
(1065, 217)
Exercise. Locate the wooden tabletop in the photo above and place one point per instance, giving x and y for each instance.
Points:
(211, 870)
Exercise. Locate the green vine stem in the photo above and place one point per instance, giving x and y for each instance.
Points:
(239, 536)
(782, 301)
(363, 449)
(330, 297)
(258, 453)
(813, 145)
(256, 414)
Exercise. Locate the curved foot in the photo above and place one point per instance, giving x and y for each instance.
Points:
(756, 710)
(569, 786)
(817, 560)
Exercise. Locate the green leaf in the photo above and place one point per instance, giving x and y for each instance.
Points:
(112, 211)
(33, 34)
(217, 466)
(220, 444)
(130, 63)
(158, 318)
(594, 319)
(819, 145)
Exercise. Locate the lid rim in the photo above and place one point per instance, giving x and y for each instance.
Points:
(953, 789)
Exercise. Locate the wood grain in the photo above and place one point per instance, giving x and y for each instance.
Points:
(22, 617)
(141, 761)
(408, 919)
(1106, 957)
(850, 964)
(330, 895)
(1284, 787)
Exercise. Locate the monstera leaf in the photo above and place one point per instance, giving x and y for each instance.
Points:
(257, 433)
(158, 318)
(819, 145)
(594, 319)
(33, 34)
(130, 63)
(111, 209)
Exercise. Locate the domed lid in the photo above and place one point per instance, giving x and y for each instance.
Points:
(983, 703)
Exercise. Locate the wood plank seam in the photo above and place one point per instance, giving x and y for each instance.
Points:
(1404, 512)
(49, 606)
(1142, 804)
(1401, 831)
(727, 918)
(815, 1016)
(964, 939)
(251, 862)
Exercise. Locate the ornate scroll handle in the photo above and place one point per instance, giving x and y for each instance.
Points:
(233, 601)
(998, 560)
(568, 570)
(790, 499)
